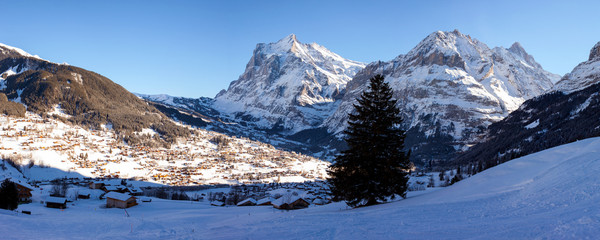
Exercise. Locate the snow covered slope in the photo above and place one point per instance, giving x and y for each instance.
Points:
(289, 85)
(584, 75)
(451, 86)
(552, 194)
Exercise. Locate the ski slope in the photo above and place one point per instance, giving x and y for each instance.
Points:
(554, 194)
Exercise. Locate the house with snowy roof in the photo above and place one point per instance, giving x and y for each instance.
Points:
(24, 191)
(247, 202)
(290, 203)
(56, 202)
(119, 200)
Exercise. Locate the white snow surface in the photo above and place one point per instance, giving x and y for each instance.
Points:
(552, 194)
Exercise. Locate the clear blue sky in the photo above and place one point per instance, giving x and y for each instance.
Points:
(196, 48)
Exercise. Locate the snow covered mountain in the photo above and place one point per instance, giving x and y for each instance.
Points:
(584, 75)
(549, 120)
(450, 87)
(288, 85)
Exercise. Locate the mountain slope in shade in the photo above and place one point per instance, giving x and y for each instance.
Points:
(546, 121)
(77, 95)
(450, 87)
(288, 85)
(584, 75)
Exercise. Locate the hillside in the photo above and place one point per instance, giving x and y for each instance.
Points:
(547, 195)
(82, 97)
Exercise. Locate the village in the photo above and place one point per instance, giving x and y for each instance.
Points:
(39, 142)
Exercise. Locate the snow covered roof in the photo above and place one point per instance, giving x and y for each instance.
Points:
(245, 202)
(286, 200)
(112, 188)
(118, 196)
(56, 200)
(264, 200)
(24, 184)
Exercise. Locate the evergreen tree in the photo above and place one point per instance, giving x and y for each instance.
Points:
(9, 195)
(374, 167)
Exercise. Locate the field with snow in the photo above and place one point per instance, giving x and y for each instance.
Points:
(552, 194)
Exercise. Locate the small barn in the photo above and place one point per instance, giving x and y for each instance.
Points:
(119, 200)
(217, 203)
(247, 202)
(56, 202)
(290, 203)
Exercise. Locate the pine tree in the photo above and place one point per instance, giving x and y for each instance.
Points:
(9, 195)
(374, 167)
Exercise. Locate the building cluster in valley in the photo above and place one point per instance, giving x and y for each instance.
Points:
(45, 142)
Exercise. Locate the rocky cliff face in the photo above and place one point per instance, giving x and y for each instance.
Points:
(288, 85)
(450, 87)
(583, 75)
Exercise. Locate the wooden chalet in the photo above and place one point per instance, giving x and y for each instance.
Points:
(96, 185)
(119, 200)
(24, 191)
(290, 203)
(56, 202)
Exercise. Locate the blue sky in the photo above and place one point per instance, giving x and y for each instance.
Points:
(196, 48)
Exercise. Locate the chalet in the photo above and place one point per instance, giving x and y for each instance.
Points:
(96, 185)
(290, 203)
(120, 200)
(117, 188)
(24, 191)
(247, 202)
(217, 203)
(56, 202)
(135, 191)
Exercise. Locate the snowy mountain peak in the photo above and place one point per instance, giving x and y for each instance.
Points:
(595, 52)
(516, 48)
(290, 84)
(583, 75)
(8, 51)
(449, 87)
(452, 49)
